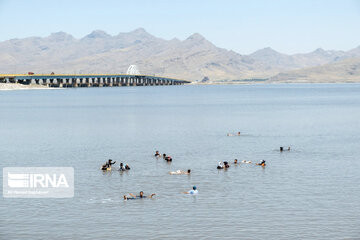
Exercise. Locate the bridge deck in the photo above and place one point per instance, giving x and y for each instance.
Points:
(89, 80)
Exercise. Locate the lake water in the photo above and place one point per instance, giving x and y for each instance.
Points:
(311, 192)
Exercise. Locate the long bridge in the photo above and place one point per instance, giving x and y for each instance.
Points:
(89, 80)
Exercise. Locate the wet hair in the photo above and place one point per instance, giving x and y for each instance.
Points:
(189, 170)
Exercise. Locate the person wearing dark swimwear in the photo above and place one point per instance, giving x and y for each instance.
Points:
(157, 154)
(127, 167)
(220, 165)
(168, 158)
(164, 155)
(109, 163)
(226, 165)
(235, 161)
(141, 195)
(128, 198)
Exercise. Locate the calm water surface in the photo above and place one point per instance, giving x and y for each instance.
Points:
(311, 192)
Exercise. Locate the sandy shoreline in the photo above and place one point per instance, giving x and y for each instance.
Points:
(17, 86)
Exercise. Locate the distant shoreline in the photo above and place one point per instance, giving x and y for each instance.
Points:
(16, 86)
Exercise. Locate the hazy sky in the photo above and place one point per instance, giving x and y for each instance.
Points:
(291, 26)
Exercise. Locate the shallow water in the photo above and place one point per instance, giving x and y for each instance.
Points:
(311, 192)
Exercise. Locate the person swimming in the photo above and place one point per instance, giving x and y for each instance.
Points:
(262, 163)
(141, 195)
(180, 172)
(105, 167)
(127, 167)
(168, 158)
(164, 155)
(226, 164)
(220, 165)
(157, 154)
(282, 149)
(238, 133)
(193, 191)
(128, 198)
(122, 167)
(244, 161)
(235, 161)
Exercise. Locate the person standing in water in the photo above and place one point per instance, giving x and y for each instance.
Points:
(109, 163)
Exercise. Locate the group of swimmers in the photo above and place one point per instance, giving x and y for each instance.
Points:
(107, 166)
(225, 165)
(193, 191)
(165, 157)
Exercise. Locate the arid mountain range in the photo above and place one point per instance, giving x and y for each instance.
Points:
(192, 59)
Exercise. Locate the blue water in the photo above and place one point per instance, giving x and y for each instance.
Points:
(311, 192)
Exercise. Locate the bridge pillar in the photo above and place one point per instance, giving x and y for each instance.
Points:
(75, 82)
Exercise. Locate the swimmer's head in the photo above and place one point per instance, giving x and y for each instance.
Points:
(141, 193)
(125, 198)
(194, 187)
(189, 170)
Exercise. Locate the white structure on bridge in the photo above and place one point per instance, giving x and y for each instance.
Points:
(133, 70)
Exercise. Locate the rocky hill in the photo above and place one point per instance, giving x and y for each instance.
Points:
(343, 71)
(193, 58)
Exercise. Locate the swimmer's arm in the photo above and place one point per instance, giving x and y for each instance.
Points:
(151, 195)
(132, 195)
(185, 192)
